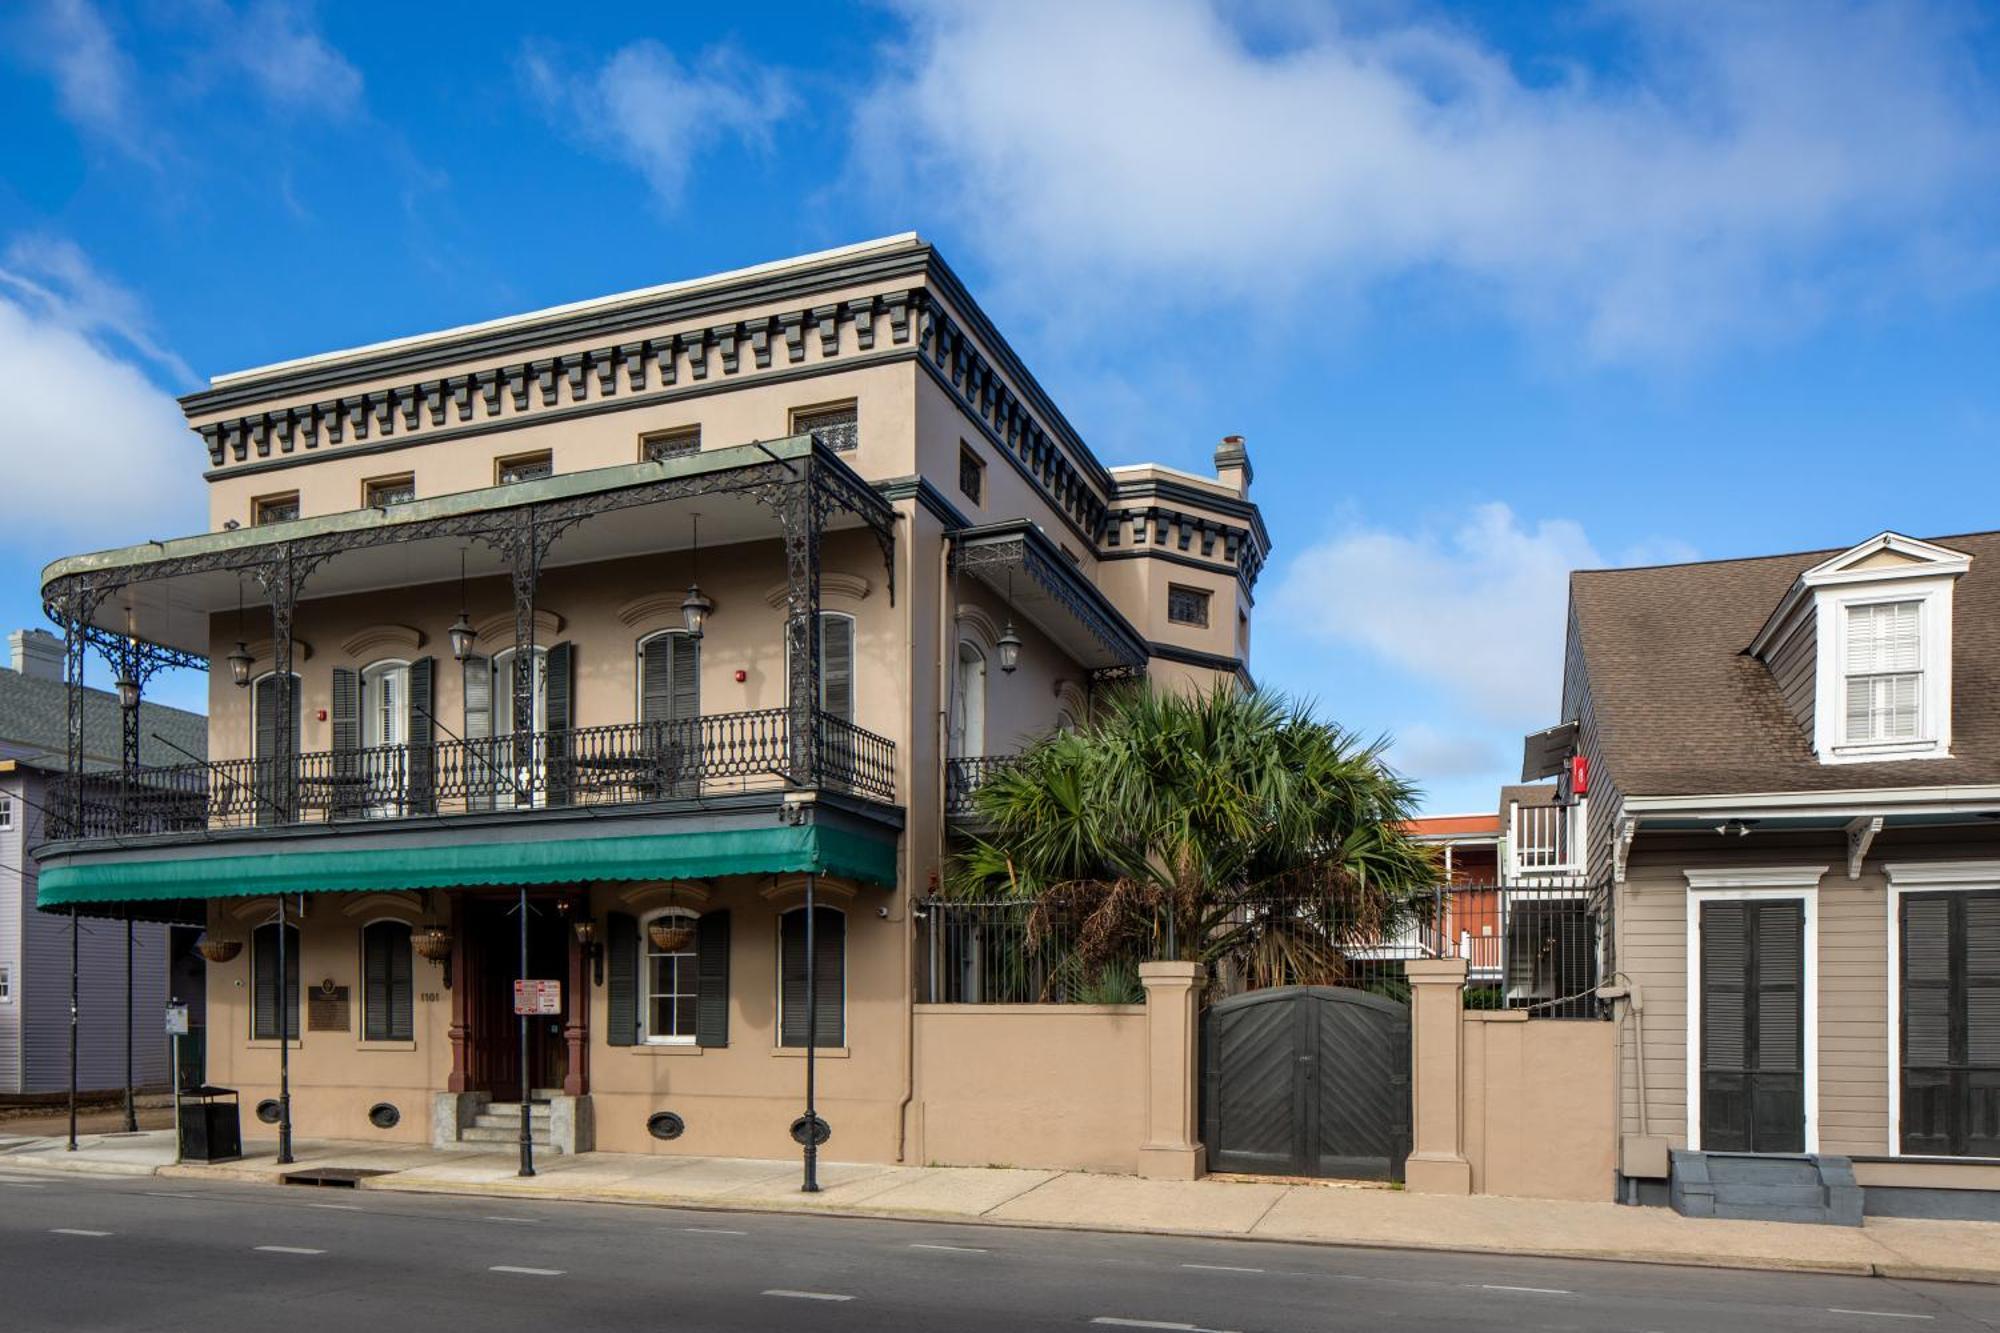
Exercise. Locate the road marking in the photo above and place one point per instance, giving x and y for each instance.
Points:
(285, 1249)
(495, 1217)
(75, 1231)
(1533, 1291)
(164, 1194)
(807, 1295)
(22, 1185)
(951, 1249)
(1222, 1268)
(530, 1272)
(715, 1231)
(338, 1207)
(1154, 1323)
(1878, 1314)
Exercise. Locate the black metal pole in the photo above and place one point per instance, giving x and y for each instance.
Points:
(284, 1046)
(131, 1112)
(811, 1185)
(72, 1028)
(527, 1138)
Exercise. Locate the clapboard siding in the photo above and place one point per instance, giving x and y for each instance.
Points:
(1793, 662)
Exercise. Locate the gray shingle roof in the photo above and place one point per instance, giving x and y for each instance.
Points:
(1681, 709)
(34, 724)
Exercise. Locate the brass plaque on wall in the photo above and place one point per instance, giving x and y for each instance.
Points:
(326, 1009)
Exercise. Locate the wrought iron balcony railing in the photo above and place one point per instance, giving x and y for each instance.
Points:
(623, 764)
(965, 774)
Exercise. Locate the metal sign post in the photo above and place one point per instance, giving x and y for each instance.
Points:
(177, 1027)
(285, 996)
(811, 1185)
(527, 1089)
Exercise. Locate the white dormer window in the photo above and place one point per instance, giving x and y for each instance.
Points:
(1874, 624)
(1884, 674)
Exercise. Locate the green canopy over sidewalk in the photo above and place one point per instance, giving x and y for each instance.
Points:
(781, 850)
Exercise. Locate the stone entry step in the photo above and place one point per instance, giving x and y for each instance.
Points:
(1767, 1188)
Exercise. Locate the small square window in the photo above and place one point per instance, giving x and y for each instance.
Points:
(6, 984)
(1187, 606)
(971, 474)
(524, 467)
(381, 492)
(6, 812)
(670, 444)
(275, 509)
(838, 427)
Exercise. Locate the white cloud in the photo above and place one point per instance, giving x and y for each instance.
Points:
(1430, 754)
(1738, 171)
(648, 110)
(277, 47)
(93, 76)
(1478, 609)
(96, 452)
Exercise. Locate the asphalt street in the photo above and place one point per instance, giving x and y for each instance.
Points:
(80, 1252)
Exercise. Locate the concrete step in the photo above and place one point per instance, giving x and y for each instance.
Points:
(538, 1124)
(535, 1109)
(476, 1133)
(1776, 1188)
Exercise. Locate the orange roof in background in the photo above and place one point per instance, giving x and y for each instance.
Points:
(1438, 825)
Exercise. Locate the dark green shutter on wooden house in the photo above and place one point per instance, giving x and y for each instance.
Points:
(829, 982)
(423, 736)
(621, 979)
(1951, 1024)
(481, 759)
(559, 687)
(264, 981)
(268, 790)
(386, 999)
(1752, 1026)
(712, 979)
(670, 708)
(343, 797)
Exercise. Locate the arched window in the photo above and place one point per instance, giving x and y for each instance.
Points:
(670, 1005)
(264, 985)
(387, 1001)
(829, 979)
(968, 714)
(669, 677)
(264, 714)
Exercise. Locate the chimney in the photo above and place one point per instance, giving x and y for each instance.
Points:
(37, 653)
(1232, 464)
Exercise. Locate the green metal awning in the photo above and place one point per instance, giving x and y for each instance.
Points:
(798, 849)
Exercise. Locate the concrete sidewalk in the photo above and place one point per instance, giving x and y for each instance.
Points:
(1312, 1212)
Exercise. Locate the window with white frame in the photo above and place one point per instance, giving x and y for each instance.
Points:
(6, 812)
(671, 977)
(6, 984)
(1884, 672)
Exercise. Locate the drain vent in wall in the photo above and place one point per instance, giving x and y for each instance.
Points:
(384, 1116)
(665, 1125)
(821, 1131)
(267, 1110)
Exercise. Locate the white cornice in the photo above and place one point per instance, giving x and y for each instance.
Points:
(1939, 874)
(1850, 803)
(1756, 877)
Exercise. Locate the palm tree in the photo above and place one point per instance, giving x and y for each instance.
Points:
(1230, 828)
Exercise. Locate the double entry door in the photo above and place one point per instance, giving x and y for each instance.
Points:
(1753, 1065)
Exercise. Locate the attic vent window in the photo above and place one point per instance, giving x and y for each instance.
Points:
(1884, 672)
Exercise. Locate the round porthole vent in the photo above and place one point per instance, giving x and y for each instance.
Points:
(384, 1116)
(821, 1131)
(665, 1125)
(267, 1110)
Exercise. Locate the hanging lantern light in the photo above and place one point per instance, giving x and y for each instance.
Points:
(461, 633)
(1009, 644)
(240, 663)
(128, 691)
(696, 605)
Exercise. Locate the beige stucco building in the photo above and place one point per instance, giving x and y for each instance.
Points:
(903, 560)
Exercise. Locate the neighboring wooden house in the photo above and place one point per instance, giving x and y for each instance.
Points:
(1793, 776)
(35, 946)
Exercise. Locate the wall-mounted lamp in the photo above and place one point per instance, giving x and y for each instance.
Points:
(586, 935)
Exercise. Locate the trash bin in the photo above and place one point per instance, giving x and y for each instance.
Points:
(211, 1128)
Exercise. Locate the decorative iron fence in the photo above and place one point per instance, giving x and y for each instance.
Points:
(621, 764)
(1541, 947)
(964, 775)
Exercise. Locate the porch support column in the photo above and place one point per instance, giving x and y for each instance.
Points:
(576, 1031)
(525, 560)
(457, 980)
(1437, 1163)
(281, 584)
(802, 519)
(1172, 1150)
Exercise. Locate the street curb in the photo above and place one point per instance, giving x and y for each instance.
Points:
(1816, 1267)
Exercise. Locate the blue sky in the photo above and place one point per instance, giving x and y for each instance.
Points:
(1494, 291)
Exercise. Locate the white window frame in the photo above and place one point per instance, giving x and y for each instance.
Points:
(371, 674)
(6, 813)
(6, 983)
(1755, 884)
(646, 992)
(964, 743)
(1920, 877)
(854, 637)
(1934, 616)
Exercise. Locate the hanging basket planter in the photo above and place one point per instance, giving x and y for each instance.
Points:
(218, 951)
(670, 935)
(432, 943)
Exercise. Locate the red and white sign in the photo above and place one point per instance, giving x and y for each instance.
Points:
(538, 997)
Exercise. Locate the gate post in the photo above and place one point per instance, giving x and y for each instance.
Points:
(1172, 1150)
(1437, 1163)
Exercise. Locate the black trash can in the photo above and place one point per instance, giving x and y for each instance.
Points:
(211, 1128)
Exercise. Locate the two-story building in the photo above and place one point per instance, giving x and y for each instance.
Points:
(581, 647)
(1792, 768)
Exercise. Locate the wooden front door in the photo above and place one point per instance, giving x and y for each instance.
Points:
(494, 935)
(1753, 1026)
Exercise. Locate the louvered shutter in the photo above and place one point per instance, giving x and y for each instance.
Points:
(1951, 1024)
(269, 786)
(1927, 1005)
(264, 968)
(1980, 1102)
(423, 736)
(686, 706)
(836, 671)
(1780, 980)
(670, 705)
(387, 1001)
(712, 974)
(344, 797)
(1725, 964)
(656, 679)
(621, 979)
(559, 698)
(829, 982)
(480, 756)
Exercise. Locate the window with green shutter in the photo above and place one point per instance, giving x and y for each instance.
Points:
(829, 983)
(388, 1011)
(264, 982)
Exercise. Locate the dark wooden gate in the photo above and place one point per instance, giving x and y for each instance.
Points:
(1307, 1081)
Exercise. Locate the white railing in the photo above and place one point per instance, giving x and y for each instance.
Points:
(1545, 839)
